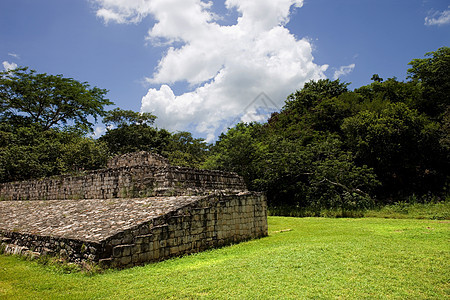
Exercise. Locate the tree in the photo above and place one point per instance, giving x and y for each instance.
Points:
(43, 123)
(185, 150)
(27, 152)
(330, 148)
(319, 175)
(314, 91)
(434, 73)
(135, 137)
(378, 95)
(120, 117)
(328, 114)
(336, 182)
(133, 132)
(48, 100)
(401, 145)
(376, 78)
(238, 151)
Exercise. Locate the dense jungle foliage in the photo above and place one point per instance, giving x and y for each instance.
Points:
(327, 148)
(331, 148)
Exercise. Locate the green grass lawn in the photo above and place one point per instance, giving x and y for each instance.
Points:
(316, 258)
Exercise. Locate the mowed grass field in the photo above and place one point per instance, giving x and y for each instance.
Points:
(301, 258)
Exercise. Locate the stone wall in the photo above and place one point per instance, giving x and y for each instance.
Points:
(209, 221)
(141, 158)
(125, 182)
(112, 217)
(27, 244)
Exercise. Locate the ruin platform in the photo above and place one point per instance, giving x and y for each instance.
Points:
(128, 232)
(140, 209)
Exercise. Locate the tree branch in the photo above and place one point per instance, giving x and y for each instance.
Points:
(354, 190)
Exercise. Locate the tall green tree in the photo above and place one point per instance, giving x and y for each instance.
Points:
(185, 150)
(121, 117)
(401, 145)
(135, 137)
(27, 152)
(433, 72)
(238, 151)
(44, 120)
(49, 100)
(313, 92)
(133, 131)
(334, 148)
(311, 109)
(377, 95)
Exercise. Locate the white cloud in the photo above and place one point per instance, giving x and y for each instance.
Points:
(122, 11)
(438, 18)
(98, 131)
(226, 66)
(9, 66)
(343, 70)
(15, 55)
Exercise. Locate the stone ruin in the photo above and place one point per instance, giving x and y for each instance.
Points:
(138, 210)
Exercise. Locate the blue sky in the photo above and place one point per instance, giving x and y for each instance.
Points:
(198, 65)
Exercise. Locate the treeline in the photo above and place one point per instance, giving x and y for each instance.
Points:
(328, 147)
(331, 148)
(47, 121)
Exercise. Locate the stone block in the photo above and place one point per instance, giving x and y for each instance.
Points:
(174, 250)
(105, 262)
(171, 242)
(156, 254)
(125, 260)
(136, 248)
(179, 233)
(156, 245)
(166, 252)
(122, 250)
(147, 247)
(135, 258)
(127, 239)
(143, 239)
(144, 257)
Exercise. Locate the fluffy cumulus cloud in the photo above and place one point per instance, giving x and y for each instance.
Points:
(343, 70)
(9, 65)
(438, 17)
(226, 67)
